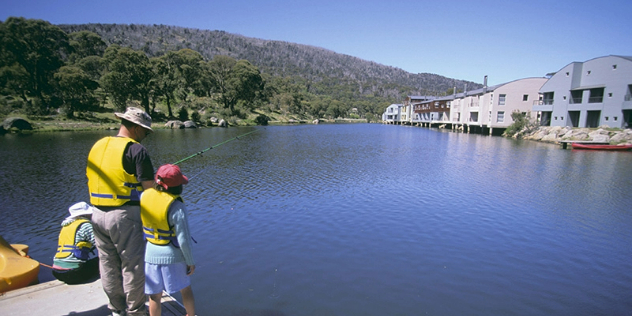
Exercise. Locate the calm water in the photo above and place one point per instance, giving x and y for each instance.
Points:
(366, 219)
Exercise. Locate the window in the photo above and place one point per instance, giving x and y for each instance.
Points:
(576, 96)
(588, 72)
(567, 74)
(614, 67)
(500, 116)
(525, 97)
(501, 99)
(596, 95)
(548, 98)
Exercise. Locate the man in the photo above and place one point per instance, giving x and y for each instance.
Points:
(119, 169)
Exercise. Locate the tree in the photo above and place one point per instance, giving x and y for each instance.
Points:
(220, 71)
(190, 67)
(129, 76)
(167, 79)
(248, 82)
(35, 46)
(76, 89)
(84, 44)
(235, 81)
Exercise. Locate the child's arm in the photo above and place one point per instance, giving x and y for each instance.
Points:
(181, 227)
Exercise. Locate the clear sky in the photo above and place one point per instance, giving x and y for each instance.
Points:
(462, 39)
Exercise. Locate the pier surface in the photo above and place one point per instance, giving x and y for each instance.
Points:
(56, 298)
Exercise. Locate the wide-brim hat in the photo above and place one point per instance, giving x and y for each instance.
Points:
(136, 116)
(80, 209)
(169, 176)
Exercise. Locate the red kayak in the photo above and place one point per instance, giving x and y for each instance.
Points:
(601, 147)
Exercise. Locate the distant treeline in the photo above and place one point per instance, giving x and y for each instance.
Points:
(78, 68)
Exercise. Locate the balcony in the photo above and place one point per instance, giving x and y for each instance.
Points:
(598, 99)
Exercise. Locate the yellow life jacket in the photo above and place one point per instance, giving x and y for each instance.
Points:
(108, 182)
(66, 243)
(154, 209)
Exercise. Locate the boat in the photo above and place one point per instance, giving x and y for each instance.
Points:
(17, 270)
(601, 147)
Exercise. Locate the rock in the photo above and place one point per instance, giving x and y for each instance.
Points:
(579, 135)
(214, 120)
(16, 122)
(551, 137)
(222, 123)
(175, 124)
(189, 124)
(619, 138)
(601, 138)
(316, 121)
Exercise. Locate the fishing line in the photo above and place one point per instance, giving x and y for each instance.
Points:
(214, 146)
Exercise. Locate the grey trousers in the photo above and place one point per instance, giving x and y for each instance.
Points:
(119, 237)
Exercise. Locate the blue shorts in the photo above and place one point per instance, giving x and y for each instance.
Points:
(170, 278)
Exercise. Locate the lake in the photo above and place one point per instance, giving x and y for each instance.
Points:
(365, 219)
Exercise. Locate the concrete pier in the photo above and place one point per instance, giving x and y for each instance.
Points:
(56, 298)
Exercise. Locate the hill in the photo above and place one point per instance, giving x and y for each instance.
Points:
(327, 69)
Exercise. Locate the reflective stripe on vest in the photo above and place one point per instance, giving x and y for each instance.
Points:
(154, 212)
(66, 242)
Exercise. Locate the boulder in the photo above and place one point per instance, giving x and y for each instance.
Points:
(551, 137)
(214, 120)
(189, 124)
(175, 124)
(222, 123)
(601, 138)
(316, 121)
(17, 123)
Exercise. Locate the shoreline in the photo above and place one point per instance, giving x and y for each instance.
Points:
(557, 134)
(547, 134)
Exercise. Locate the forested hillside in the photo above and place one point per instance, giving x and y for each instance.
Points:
(313, 64)
(78, 70)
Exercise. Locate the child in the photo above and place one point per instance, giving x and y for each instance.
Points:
(168, 258)
(76, 260)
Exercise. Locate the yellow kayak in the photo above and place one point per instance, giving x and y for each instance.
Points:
(16, 269)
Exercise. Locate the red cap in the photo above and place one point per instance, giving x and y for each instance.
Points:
(169, 176)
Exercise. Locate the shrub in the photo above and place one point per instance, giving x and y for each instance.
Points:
(183, 114)
(262, 120)
(520, 122)
(195, 116)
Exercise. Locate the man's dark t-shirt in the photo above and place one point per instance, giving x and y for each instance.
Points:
(136, 161)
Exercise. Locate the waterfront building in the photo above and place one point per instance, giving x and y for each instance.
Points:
(484, 110)
(588, 94)
(408, 114)
(392, 114)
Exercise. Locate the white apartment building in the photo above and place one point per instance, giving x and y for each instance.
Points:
(392, 114)
(490, 107)
(588, 94)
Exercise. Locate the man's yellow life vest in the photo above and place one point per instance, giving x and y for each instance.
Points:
(154, 209)
(108, 182)
(66, 243)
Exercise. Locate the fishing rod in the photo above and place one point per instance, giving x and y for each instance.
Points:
(214, 146)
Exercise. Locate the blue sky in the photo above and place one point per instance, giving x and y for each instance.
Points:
(506, 40)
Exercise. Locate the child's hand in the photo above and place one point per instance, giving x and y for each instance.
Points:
(190, 269)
